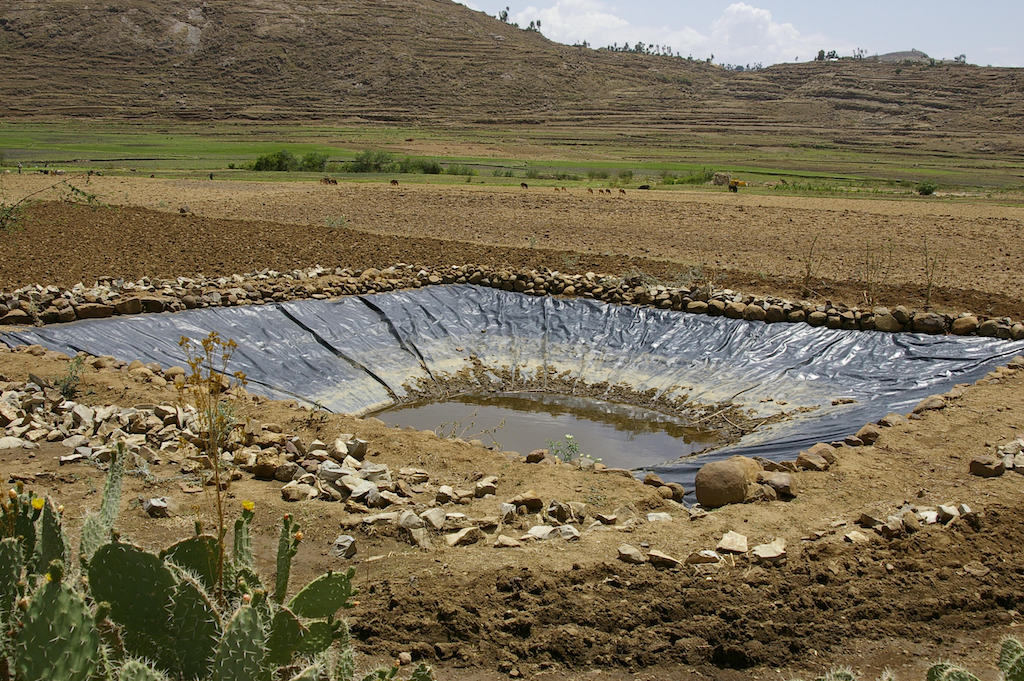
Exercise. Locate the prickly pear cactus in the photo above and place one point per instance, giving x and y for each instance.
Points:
(134, 670)
(240, 655)
(284, 638)
(287, 546)
(345, 665)
(945, 671)
(199, 555)
(58, 639)
(195, 628)
(324, 596)
(139, 588)
(97, 527)
(51, 545)
(242, 551)
(310, 673)
(1011, 660)
(422, 673)
(11, 565)
(316, 639)
(18, 514)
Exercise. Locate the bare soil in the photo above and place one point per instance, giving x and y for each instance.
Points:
(571, 610)
(859, 251)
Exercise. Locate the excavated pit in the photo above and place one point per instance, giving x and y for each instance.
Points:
(764, 389)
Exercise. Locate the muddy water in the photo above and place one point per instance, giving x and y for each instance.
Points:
(619, 435)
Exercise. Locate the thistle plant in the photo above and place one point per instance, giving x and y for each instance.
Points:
(204, 386)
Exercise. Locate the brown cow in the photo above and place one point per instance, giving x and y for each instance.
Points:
(524, 185)
(622, 191)
(589, 190)
(394, 183)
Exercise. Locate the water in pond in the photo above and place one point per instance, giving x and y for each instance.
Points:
(622, 436)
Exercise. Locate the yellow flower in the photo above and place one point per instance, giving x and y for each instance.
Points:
(248, 505)
(38, 503)
(49, 577)
(298, 536)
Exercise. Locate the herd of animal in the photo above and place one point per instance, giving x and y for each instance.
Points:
(523, 185)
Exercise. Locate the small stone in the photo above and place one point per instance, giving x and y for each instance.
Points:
(404, 659)
(930, 404)
(783, 483)
(507, 513)
(540, 532)
(420, 538)
(445, 494)
(986, 466)
(947, 513)
(855, 537)
(567, 532)
(928, 517)
(703, 557)
(891, 420)
(606, 518)
(662, 560)
(772, 552)
(344, 546)
(869, 433)
(530, 500)
(434, 517)
(658, 517)
(810, 461)
(732, 542)
(504, 542)
(465, 537)
(297, 491)
(156, 507)
(536, 456)
(410, 521)
(653, 480)
(632, 555)
(558, 511)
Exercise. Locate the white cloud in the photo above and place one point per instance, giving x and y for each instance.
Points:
(743, 34)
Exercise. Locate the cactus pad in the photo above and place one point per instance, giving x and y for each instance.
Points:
(195, 628)
(1011, 659)
(316, 639)
(325, 595)
(51, 542)
(59, 639)
(133, 670)
(284, 638)
(948, 672)
(241, 650)
(199, 555)
(310, 673)
(11, 558)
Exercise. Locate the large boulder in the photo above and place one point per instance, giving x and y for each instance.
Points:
(725, 482)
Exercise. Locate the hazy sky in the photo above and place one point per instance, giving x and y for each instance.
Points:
(770, 31)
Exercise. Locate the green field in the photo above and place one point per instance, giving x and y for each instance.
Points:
(559, 156)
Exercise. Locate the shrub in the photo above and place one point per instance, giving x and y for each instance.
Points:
(314, 162)
(371, 161)
(597, 174)
(281, 161)
(503, 172)
(926, 188)
(459, 169)
(67, 383)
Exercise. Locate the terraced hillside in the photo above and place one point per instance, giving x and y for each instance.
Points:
(437, 61)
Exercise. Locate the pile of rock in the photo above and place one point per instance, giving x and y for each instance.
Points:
(39, 304)
(909, 519)
(731, 544)
(740, 479)
(1008, 457)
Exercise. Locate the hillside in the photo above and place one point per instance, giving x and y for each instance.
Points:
(438, 61)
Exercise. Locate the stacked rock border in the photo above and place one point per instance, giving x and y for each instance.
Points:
(39, 305)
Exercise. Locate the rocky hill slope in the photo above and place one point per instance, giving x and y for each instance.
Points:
(438, 61)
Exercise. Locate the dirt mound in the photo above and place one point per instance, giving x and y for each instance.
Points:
(611, 614)
(438, 60)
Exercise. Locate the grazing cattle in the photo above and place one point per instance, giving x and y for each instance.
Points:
(557, 190)
(524, 185)
(622, 191)
(394, 183)
(589, 190)
(644, 186)
(564, 189)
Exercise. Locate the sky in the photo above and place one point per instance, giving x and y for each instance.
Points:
(988, 32)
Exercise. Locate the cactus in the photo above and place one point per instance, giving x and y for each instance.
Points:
(242, 551)
(945, 671)
(345, 666)
(316, 639)
(422, 673)
(51, 545)
(195, 628)
(324, 595)
(58, 639)
(97, 528)
(310, 673)
(287, 546)
(382, 674)
(198, 555)
(134, 670)
(841, 674)
(18, 514)
(11, 564)
(139, 588)
(240, 654)
(284, 637)
(1011, 659)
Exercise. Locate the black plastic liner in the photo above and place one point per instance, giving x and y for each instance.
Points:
(358, 354)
